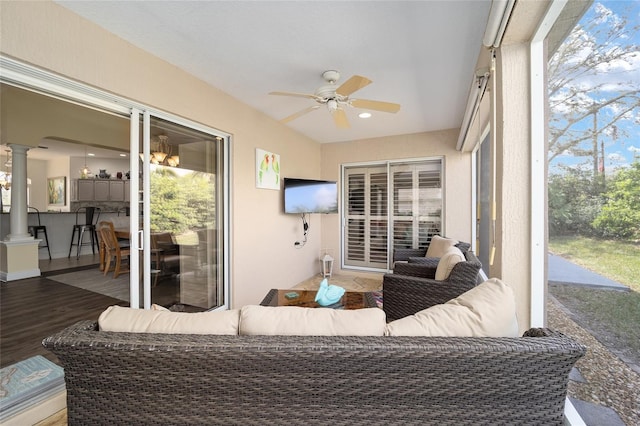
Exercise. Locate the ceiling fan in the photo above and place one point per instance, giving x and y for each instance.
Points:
(336, 98)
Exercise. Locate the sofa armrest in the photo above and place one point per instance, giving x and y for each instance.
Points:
(419, 270)
(403, 254)
(464, 247)
(465, 273)
(404, 295)
(425, 261)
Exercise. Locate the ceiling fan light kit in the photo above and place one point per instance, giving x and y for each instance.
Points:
(336, 98)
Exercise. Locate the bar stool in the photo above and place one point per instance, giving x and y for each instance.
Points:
(90, 221)
(34, 230)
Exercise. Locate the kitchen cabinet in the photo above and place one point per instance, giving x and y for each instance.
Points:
(85, 190)
(99, 190)
(116, 190)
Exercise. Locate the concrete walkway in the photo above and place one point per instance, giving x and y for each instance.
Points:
(563, 271)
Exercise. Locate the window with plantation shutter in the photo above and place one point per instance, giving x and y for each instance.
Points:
(389, 206)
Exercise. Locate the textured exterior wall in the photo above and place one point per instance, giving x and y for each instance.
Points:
(513, 237)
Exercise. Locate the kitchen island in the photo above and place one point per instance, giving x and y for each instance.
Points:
(59, 228)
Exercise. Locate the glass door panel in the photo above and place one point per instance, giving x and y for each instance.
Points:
(417, 203)
(185, 210)
(365, 239)
(388, 207)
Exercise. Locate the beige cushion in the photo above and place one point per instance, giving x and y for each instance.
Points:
(446, 263)
(118, 318)
(155, 307)
(486, 310)
(297, 321)
(439, 246)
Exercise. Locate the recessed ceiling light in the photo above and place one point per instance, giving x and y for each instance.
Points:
(364, 115)
(123, 155)
(91, 155)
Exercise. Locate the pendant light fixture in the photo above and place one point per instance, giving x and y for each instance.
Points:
(162, 148)
(161, 152)
(85, 171)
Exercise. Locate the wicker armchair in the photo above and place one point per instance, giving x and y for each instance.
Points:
(412, 287)
(123, 378)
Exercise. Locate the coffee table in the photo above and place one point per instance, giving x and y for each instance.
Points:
(306, 299)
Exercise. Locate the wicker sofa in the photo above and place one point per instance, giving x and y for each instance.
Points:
(412, 287)
(127, 378)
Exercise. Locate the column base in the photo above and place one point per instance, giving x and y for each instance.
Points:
(19, 260)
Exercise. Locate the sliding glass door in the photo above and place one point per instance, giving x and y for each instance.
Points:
(389, 206)
(172, 201)
(180, 210)
(366, 219)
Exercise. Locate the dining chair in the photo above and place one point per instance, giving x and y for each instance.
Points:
(34, 230)
(112, 249)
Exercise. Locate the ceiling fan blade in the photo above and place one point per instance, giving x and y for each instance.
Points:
(340, 118)
(356, 82)
(375, 105)
(299, 114)
(299, 95)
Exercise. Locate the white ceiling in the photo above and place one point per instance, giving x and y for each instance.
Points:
(420, 54)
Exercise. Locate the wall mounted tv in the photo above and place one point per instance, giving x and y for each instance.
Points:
(310, 196)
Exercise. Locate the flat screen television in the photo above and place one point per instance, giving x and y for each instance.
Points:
(310, 196)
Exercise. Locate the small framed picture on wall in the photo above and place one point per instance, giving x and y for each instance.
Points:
(267, 169)
(57, 191)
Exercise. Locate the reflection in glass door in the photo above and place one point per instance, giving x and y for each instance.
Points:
(185, 216)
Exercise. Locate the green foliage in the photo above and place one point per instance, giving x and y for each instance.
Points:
(181, 202)
(620, 216)
(574, 202)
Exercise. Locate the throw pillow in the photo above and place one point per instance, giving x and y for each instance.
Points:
(439, 246)
(121, 319)
(488, 310)
(297, 321)
(446, 263)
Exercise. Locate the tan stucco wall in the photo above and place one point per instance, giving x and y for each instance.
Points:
(263, 253)
(457, 211)
(513, 187)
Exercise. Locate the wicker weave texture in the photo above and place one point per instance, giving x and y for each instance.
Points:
(127, 378)
(403, 254)
(411, 287)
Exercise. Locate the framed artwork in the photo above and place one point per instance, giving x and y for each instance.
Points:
(267, 169)
(57, 191)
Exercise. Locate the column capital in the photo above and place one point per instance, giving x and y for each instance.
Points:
(17, 148)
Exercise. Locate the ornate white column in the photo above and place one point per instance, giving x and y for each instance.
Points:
(19, 250)
(18, 215)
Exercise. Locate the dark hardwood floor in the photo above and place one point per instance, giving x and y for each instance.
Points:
(34, 308)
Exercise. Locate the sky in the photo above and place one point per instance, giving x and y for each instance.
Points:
(601, 83)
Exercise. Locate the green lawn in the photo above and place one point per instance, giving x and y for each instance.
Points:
(617, 260)
(612, 316)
